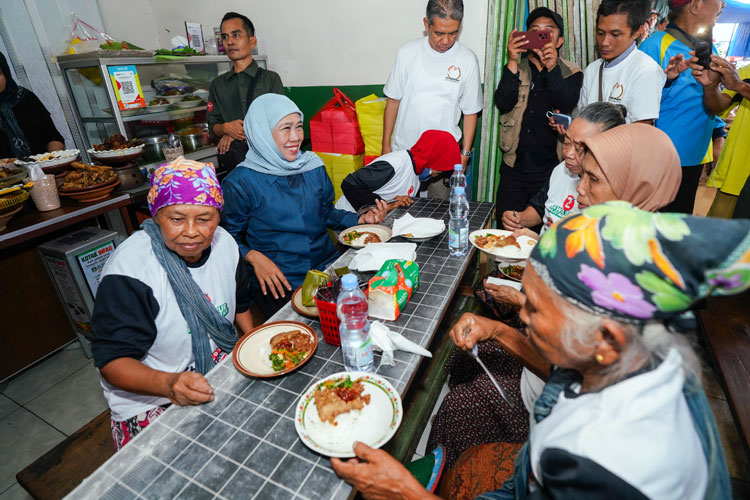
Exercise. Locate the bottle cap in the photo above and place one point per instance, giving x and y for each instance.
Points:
(349, 281)
(458, 166)
(460, 190)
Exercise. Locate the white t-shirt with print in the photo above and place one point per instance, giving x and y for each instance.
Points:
(434, 88)
(635, 82)
(562, 198)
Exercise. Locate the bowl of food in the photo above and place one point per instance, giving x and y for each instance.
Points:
(158, 104)
(513, 272)
(189, 101)
(117, 149)
(274, 349)
(12, 174)
(194, 138)
(10, 204)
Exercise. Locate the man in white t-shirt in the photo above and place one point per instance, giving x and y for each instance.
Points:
(623, 75)
(434, 81)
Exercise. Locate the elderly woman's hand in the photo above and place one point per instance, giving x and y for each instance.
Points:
(188, 388)
(268, 273)
(504, 293)
(525, 232)
(375, 215)
(378, 476)
(470, 329)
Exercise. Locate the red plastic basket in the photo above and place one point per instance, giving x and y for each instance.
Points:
(329, 321)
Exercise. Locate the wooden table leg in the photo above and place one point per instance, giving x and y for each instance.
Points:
(126, 220)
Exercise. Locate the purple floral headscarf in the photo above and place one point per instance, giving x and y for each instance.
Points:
(634, 265)
(184, 182)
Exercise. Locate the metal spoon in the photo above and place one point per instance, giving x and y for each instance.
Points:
(475, 354)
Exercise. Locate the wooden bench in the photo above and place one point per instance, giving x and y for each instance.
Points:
(60, 470)
(725, 324)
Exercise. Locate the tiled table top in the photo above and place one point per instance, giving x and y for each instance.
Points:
(243, 444)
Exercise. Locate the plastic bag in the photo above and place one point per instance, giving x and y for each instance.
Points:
(334, 129)
(370, 110)
(85, 38)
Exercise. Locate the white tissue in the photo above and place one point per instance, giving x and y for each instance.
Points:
(418, 227)
(373, 256)
(383, 339)
(36, 173)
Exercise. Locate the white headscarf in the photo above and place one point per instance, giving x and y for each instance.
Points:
(264, 156)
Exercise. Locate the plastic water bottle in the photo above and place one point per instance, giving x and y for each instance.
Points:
(458, 227)
(354, 329)
(457, 177)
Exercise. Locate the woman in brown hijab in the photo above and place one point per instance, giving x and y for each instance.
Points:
(636, 163)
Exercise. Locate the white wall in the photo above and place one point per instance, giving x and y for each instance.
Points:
(308, 42)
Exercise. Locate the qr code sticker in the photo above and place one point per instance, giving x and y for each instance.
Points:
(127, 87)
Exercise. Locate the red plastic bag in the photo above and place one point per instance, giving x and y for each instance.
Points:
(334, 129)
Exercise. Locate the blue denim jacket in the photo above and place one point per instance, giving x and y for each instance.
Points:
(285, 218)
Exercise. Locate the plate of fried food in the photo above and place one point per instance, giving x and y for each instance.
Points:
(501, 243)
(364, 234)
(87, 183)
(274, 349)
(346, 407)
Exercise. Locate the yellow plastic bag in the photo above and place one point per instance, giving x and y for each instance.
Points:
(370, 110)
(339, 166)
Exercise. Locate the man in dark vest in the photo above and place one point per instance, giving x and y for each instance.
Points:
(232, 92)
(529, 87)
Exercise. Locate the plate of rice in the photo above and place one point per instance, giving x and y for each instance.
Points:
(274, 349)
(369, 410)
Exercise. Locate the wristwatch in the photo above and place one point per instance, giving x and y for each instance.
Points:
(465, 152)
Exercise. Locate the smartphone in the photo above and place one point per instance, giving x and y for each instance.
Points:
(560, 119)
(703, 53)
(534, 39)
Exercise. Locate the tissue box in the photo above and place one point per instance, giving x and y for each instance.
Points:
(391, 288)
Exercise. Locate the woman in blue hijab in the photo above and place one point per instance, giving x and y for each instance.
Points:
(25, 124)
(279, 204)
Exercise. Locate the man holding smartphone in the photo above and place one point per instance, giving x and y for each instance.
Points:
(533, 82)
(623, 74)
(684, 115)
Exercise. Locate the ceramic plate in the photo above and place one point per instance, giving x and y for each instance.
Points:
(157, 107)
(250, 355)
(383, 232)
(374, 425)
(510, 253)
(507, 271)
(172, 98)
(54, 159)
(189, 104)
(114, 153)
(302, 309)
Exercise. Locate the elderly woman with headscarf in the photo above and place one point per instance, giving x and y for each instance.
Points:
(397, 175)
(25, 124)
(279, 202)
(645, 168)
(167, 301)
(622, 414)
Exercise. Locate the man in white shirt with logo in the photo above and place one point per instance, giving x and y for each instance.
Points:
(433, 82)
(623, 75)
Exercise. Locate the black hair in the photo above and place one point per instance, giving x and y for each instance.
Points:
(445, 9)
(606, 114)
(675, 13)
(638, 11)
(246, 22)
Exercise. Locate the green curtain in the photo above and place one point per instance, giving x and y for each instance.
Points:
(502, 17)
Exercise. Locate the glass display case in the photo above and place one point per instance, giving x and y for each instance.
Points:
(174, 92)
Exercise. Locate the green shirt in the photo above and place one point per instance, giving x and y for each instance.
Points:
(227, 96)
